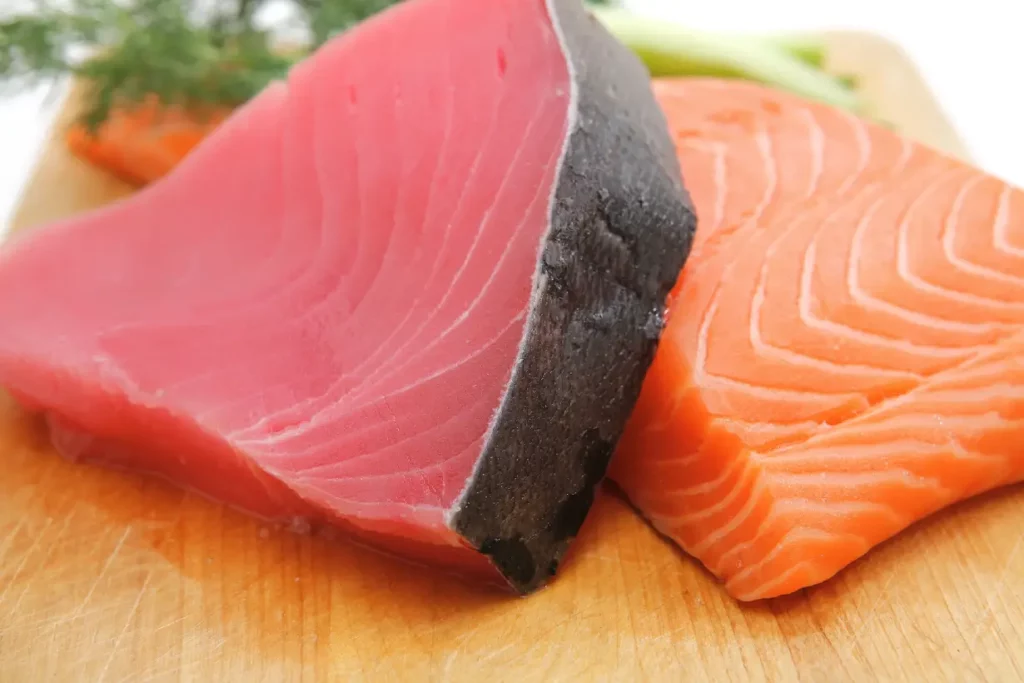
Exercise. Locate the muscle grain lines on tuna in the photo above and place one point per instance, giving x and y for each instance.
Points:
(365, 389)
(356, 323)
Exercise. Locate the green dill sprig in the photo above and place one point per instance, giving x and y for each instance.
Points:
(329, 17)
(163, 48)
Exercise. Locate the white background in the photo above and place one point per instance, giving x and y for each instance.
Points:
(971, 54)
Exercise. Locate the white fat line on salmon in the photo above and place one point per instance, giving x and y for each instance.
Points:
(843, 331)
(783, 509)
(703, 377)
(991, 388)
(765, 348)
(860, 133)
(721, 185)
(833, 483)
(719, 152)
(755, 496)
(1000, 236)
(851, 458)
(817, 142)
(872, 303)
(764, 146)
(786, 355)
(763, 436)
(750, 478)
(973, 367)
(753, 543)
(802, 567)
(949, 240)
(838, 508)
(796, 535)
(906, 273)
(907, 151)
(706, 487)
(539, 278)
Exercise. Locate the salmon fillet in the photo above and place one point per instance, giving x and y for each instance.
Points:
(142, 144)
(843, 354)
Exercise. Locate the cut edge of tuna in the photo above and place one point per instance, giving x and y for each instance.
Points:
(113, 329)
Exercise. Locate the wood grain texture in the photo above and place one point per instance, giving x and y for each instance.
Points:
(106, 576)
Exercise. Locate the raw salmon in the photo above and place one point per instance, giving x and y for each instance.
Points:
(845, 348)
(412, 291)
(143, 144)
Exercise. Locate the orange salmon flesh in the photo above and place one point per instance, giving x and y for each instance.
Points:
(843, 354)
(143, 144)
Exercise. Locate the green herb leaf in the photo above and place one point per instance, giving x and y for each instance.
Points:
(162, 48)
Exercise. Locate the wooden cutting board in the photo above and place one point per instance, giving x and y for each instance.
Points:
(110, 577)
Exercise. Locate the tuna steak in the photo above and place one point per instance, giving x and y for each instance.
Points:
(413, 291)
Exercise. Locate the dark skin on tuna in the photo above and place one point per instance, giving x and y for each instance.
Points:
(622, 228)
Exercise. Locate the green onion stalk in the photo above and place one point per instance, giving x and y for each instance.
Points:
(793, 63)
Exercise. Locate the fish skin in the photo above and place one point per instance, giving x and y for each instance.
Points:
(844, 353)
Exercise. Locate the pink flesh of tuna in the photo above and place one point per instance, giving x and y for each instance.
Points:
(393, 185)
(412, 291)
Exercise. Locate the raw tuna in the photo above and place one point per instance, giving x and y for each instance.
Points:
(412, 291)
